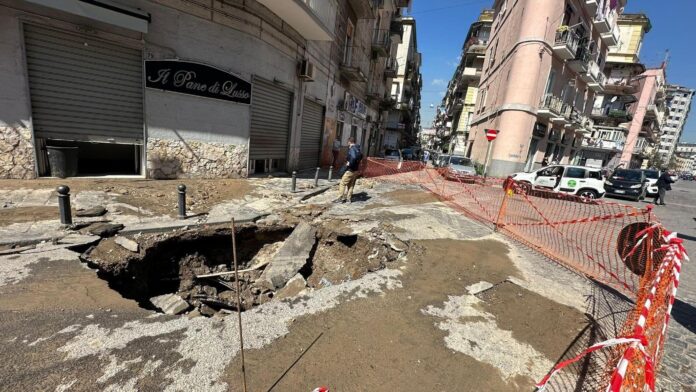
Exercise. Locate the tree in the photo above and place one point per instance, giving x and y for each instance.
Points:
(672, 165)
(654, 159)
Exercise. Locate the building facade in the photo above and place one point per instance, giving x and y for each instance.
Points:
(686, 157)
(540, 76)
(167, 88)
(614, 108)
(679, 105)
(457, 109)
(403, 118)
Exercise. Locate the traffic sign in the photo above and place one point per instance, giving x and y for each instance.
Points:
(491, 134)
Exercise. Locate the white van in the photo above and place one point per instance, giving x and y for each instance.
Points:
(577, 180)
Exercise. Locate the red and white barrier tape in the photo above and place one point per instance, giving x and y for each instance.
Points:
(638, 342)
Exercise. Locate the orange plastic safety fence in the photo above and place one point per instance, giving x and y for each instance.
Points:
(619, 245)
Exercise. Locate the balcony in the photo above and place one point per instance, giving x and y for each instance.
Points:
(590, 143)
(578, 122)
(581, 62)
(642, 146)
(621, 85)
(388, 102)
(470, 74)
(375, 91)
(553, 108)
(313, 19)
(362, 8)
(615, 113)
(397, 31)
(392, 68)
(565, 45)
(604, 23)
(591, 6)
(475, 46)
(611, 38)
(354, 65)
(594, 77)
(381, 42)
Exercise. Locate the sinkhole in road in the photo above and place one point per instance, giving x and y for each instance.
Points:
(193, 269)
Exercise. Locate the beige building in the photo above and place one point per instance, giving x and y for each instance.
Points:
(686, 157)
(541, 74)
(457, 108)
(679, 104)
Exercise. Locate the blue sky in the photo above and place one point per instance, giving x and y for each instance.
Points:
(442, 26)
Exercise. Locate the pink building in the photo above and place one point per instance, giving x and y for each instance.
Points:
(544, 66)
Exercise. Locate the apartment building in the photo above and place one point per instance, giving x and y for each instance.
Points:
(541, 73)
(614, 108)
(206, 88)
(457, 109)
(679, 105)
(403, 119)
(686, 157)
(365, 51)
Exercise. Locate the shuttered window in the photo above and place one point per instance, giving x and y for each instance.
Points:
(310, 138)
(270, 121)
(83, 88)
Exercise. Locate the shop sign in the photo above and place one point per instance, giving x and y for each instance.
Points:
(192, 78)
(355, 106)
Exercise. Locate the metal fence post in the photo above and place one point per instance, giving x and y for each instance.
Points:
(330, 172)
(64, 205)
(182, 201)
(316, 178)
(293, 187)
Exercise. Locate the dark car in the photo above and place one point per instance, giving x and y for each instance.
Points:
(627, 183)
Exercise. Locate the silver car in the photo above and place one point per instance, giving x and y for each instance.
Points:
(462, 165)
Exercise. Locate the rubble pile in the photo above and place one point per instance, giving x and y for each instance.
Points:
(192, 271)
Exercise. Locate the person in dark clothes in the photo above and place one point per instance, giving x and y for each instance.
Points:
(350, 174)
(663, 185)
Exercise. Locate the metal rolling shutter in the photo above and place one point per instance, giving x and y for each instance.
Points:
(310, 139)
(83, 88)
(270, 121)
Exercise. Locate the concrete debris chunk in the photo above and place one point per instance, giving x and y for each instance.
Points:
(76, 239)
(291, 257)
(90, 212)
(293, 287)
(105, 229)
(127, 243)
(397, 244)
(478, 287)
(169, 303)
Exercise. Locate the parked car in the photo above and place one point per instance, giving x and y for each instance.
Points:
(629, 183)
(687, 177)
(442, 160)
(461, 165)
(392, 155)
(651, 175)
(407, 154)
(576, 180)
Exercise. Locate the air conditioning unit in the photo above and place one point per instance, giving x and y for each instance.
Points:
(307, 70)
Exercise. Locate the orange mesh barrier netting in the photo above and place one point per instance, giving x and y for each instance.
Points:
(618, 245)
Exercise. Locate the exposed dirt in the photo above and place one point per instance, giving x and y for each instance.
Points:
(157, 196)
(385, 343)
(27, 214)
(174, 262)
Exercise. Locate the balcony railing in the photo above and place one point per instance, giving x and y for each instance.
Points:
(554, 107)
(566, 44)
(392, 68)
(475, 45)
(581, 62)
(355, 64)
(604, 22)
(381, 42)
(594, 77)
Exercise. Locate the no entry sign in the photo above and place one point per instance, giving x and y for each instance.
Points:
(491, 134)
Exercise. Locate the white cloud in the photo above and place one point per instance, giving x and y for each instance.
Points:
(438, 82)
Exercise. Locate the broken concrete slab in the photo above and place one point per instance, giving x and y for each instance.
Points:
(291, 257)
(105, 229)
(397, 244)
(293, 288)
(91, 212)
(16, 250)
(169, 303)
(479, 287)
(127, 243)
(76, 239)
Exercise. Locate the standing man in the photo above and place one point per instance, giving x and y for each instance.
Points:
(350, 176)
(663, 185)
(335, 150)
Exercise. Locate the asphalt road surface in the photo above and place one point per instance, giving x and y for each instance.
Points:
(679, 362)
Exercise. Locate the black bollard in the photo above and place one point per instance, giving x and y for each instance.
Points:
(182, 201)
(330, 172)
(64, 205)
(294, 182)
(316, 178)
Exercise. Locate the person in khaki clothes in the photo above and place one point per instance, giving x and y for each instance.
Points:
(350, 172)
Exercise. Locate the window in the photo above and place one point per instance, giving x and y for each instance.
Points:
(339, 131)
(568, 15)
(354, 132)
(549, 82)
(575, 172)
(396, 89)
(594, 174)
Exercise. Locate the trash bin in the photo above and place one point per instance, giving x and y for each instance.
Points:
(62, 161)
